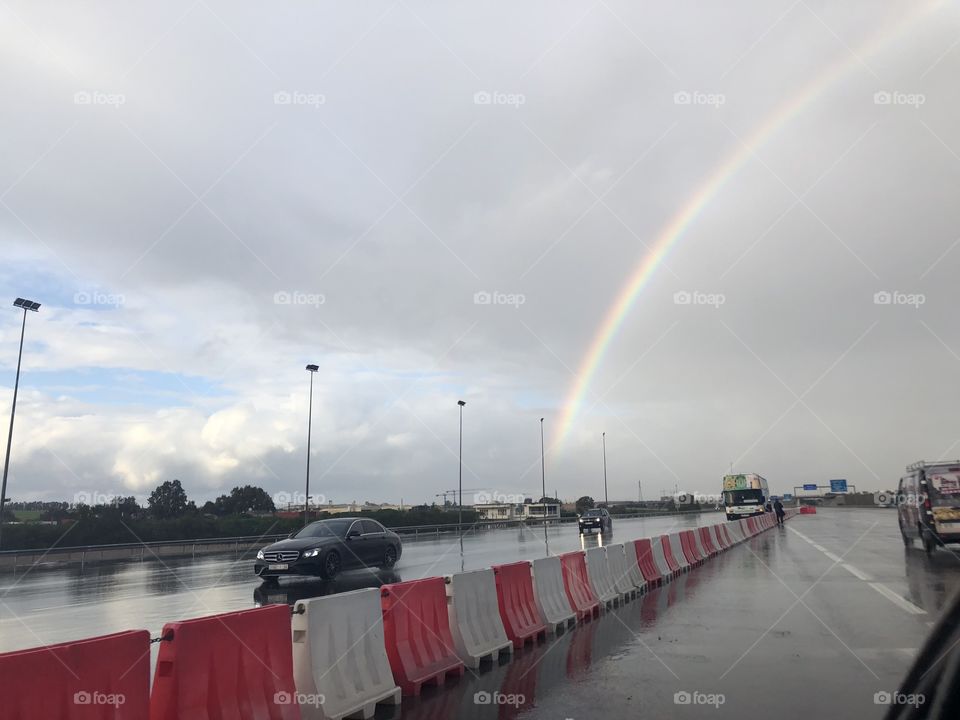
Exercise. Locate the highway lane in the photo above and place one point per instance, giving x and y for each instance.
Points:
(813, 619)
(775, 627)
(49, 605)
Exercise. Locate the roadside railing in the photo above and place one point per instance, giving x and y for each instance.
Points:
(156, 549)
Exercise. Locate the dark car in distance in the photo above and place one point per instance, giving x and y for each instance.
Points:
(595, 519)
(327, 547)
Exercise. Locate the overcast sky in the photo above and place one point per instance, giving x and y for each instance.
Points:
(206, 196)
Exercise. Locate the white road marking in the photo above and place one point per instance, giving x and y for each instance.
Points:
(889, 594)
(856, 573)
(897, 600)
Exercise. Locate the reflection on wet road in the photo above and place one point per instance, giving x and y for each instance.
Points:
(789, 624)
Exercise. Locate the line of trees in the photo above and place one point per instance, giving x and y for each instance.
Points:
(170, 515)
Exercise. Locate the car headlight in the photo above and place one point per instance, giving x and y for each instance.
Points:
(311, 553)
(259, 554)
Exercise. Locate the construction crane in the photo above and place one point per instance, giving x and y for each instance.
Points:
(453, 493)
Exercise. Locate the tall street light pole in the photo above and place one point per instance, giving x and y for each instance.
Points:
(461, 403)
(32, 307)
(606, 499)
(306, 495)
(543, 489)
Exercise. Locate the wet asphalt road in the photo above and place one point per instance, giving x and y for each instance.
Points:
(810, 620)
(50, 605)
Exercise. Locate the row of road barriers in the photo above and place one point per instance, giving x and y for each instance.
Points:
(339, 656)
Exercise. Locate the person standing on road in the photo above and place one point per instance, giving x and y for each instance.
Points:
(778, 507)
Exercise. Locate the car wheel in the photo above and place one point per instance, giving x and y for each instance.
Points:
(331, 566)
(389, 557)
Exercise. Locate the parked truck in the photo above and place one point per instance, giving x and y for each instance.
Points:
(745, 495)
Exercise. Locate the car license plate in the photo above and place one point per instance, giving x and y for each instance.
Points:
(278, 566)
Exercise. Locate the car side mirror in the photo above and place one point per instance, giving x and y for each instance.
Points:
(353, 534)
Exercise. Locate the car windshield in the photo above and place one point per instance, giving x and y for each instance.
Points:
(743, 497)
(325, 528)
(593, 513)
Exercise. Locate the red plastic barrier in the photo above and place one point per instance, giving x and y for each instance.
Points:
(94, 679)
(808, 510)
(668, 554)
(690, 547)
(729, 535)
(645, 560)
(416, 632)
(706, 538)
(752, 524)
(575, 581)
(518, 606)
(236, 665)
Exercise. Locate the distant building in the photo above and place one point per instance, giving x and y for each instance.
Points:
(493, 512)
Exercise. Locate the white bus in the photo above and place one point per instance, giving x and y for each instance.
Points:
(745, 495)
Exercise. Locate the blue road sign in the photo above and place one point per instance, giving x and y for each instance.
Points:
(809, 486)
(838, 486)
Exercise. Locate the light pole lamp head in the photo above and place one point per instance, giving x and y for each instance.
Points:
(461, 403)
(313, 368)
(26, 304)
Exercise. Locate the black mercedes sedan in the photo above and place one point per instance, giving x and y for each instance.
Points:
(326, 547)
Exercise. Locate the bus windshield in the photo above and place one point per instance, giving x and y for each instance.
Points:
(743, 497)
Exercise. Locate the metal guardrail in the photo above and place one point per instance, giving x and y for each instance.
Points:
(247, 541)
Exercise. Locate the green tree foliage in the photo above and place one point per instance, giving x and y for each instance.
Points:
(585, 503)
(241, 501)
(168, 500)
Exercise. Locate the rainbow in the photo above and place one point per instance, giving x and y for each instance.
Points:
(704, 193)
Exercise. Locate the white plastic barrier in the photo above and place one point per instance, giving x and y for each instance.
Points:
(745, 528)
(598, 571)
(620, 571)
(676, 549)
(733, 528)
(338, 653)
(704, 553)
(474, 617)
(550, 595)
(719, 539)
(659, 560)
(636, 577)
